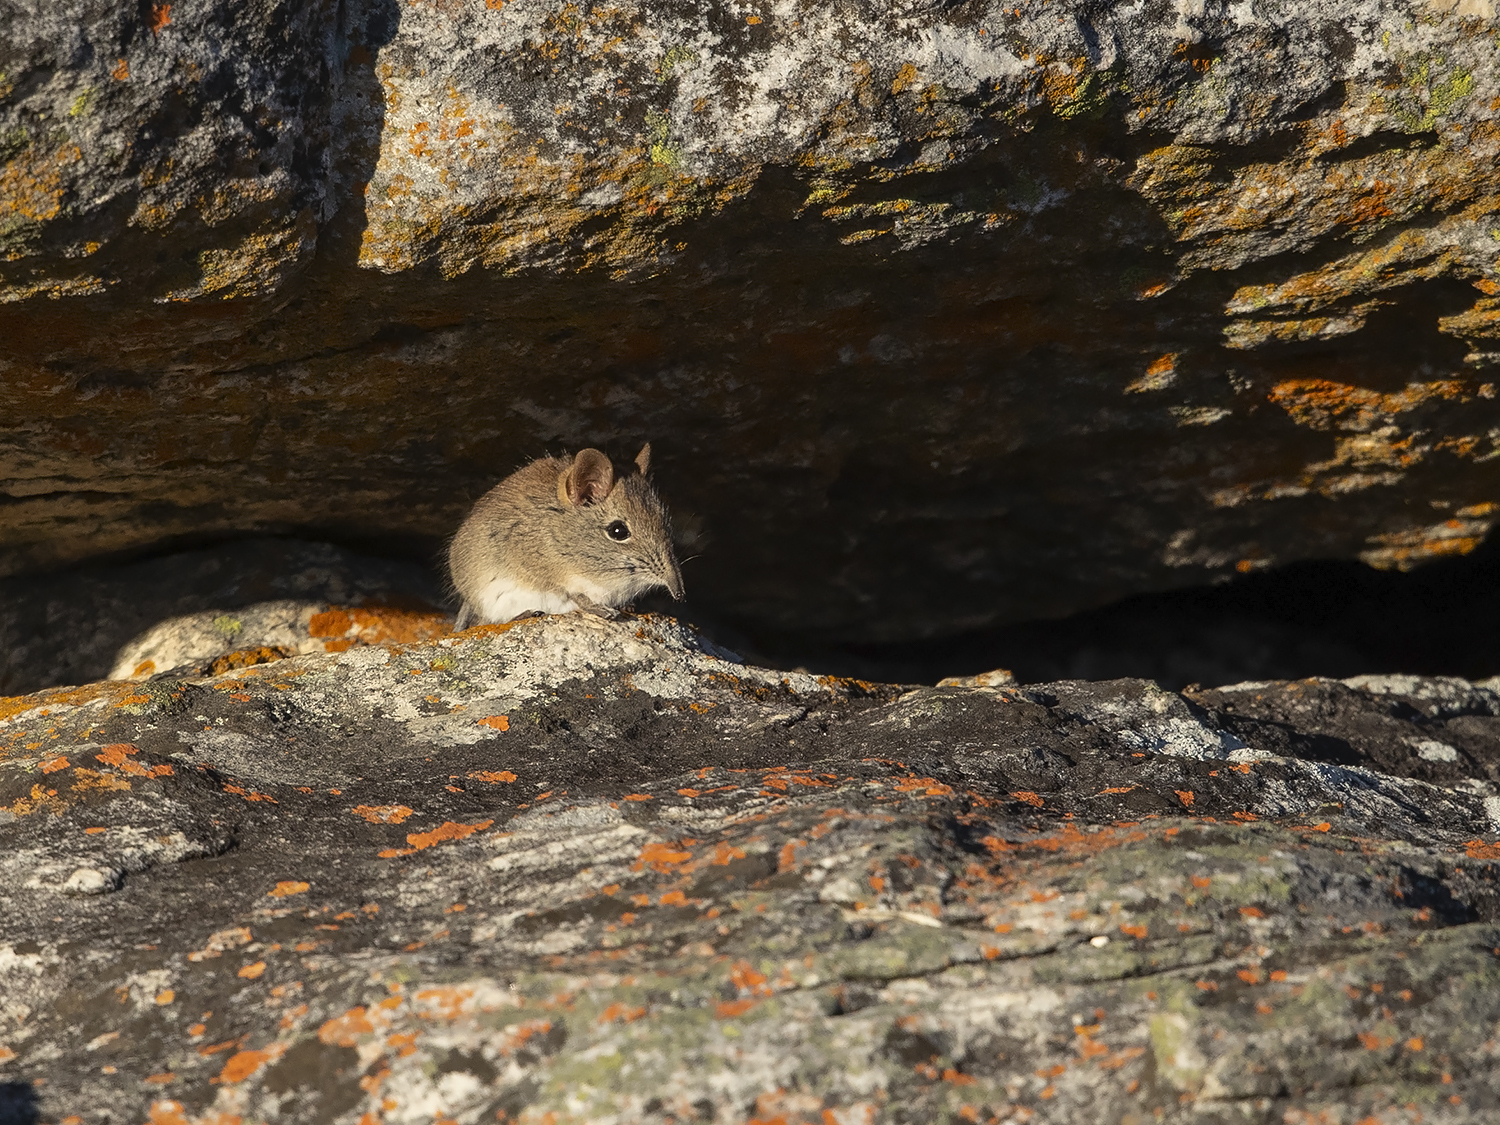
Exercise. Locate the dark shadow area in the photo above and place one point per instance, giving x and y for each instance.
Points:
(19, 1104)
(1318, 618)
(66, 627)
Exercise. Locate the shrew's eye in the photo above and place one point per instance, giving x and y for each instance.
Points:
(618, 531)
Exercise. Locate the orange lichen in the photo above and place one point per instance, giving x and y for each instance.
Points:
(344, 1030)
(382, 814)
(448, 830)
(724, 854)
(746, 978)
(661, 857)
(32, 185)
(118, 755)
(255, 795)
(621, 1013)
(242, 1064)
(244, 658)
(1402, 550)
(519, 1035)
(1322, 403)
(1028, 797)
(373, 625)
(1160, 373)
(39, 799)
(788, 856)
(288, 887)
(930, 786)
(494, 777)
(495, 722)
(1069, 839)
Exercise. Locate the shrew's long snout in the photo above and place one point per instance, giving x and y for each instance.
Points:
(671, 578)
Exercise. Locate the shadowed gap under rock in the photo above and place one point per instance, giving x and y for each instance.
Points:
(1333, 618)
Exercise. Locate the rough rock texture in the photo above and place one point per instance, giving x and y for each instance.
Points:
(938, 315)
(69, 627)
(586, 871)
(215, 642)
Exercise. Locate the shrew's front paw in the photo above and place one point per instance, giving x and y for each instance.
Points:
(589, 606)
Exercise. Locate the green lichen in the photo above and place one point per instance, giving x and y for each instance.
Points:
(228, 627)
(905, 950)
(17, 235)
(675, 56)
(1092, 95)
(13, 142)
(162, 697)
(82, 103)
(1427, 98)
(664, 154)
(1173, 1044)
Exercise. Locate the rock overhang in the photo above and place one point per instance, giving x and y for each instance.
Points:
(1166, 297)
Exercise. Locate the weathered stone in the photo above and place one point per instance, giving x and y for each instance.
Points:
(939, 316)
(70, 627)
(216, 642)
(598, 871)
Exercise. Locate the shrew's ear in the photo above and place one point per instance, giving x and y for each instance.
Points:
(643, 459)
(587, 480)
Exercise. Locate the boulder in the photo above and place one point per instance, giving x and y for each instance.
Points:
(72, 626)
(938, 316)
(598, 871)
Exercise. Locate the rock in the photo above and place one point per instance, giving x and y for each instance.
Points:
(938, 316)
(600, 870)
(70, 627)
(215, 642)
(999, 677)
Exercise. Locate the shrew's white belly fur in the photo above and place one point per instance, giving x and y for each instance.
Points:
(505, 599)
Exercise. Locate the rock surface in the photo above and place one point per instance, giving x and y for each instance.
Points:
(70, 627)
(938, 315)
(575, 870)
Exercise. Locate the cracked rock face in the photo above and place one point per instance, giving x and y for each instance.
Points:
(937, 317)
(577, 870)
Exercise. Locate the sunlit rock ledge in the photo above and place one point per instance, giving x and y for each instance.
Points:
(577, 870)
